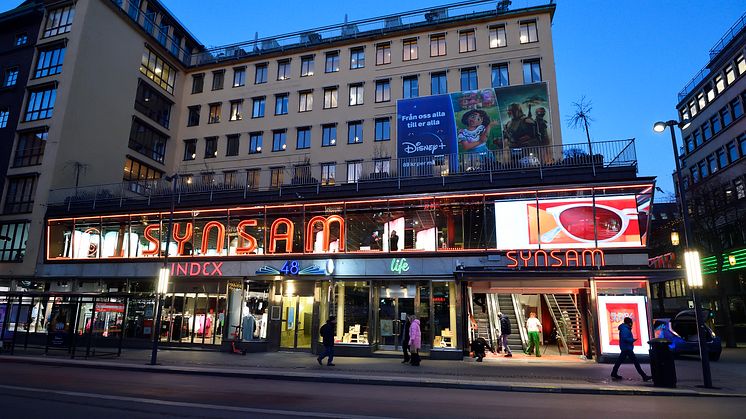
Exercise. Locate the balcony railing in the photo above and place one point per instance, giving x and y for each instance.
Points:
(398, 174)
(374, 26)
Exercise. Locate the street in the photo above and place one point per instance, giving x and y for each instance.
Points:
(35, 391)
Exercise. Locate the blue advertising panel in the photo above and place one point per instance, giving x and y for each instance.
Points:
(425, 127)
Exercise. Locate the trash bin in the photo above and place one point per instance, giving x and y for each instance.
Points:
(662, 366)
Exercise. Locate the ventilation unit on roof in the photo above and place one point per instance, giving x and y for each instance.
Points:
(503, 5)
(310, 38)
(436, 14)
(270, 44)
(392, 22)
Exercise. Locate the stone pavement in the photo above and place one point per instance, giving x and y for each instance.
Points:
(520, 373)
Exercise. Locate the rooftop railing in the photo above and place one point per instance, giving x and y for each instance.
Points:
(393, 174)
(360, 28)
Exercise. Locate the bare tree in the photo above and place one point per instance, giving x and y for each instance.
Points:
(581, 119)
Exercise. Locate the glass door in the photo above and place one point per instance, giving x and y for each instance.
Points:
(297, 320)
(392, 318)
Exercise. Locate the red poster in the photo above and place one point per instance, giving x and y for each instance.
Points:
(616, 314)
(110, 307)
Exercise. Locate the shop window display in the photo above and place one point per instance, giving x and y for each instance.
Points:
(254, 312)
(352, 308)
(116, 239)
(444, 315)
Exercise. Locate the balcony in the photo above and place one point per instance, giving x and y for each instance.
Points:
(563, 164)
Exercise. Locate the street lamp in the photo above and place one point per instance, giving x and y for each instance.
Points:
(164, 273)
(691, 257)
(675, 238)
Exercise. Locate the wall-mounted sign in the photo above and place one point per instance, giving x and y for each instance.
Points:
(197, 269)
(291, 268)
(570, 258)
(399, 265)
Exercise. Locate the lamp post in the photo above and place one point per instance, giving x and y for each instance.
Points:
(164, 273)
(691, 257)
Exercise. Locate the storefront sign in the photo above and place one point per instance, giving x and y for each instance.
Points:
(399, 265)
(556, 258)
(292, 268)
(197, 269)
(110, 307)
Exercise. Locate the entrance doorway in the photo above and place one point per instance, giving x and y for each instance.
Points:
(392, 315)
(297, 320)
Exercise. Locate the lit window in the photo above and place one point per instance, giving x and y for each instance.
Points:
(306, 101)
(283, 70)
(239, 77)
(356, 94)
(330, 97)
(236, 110)
(332, 62)
(10, 78)
(437, 45)
(214, 115)
(354, 170)
(328, 173)
(410, 49)
(498, 39)
(154, 68)
(467, 41)
(528, 32)
(306, 66)
(41, 104)
(357, 58)
(383, 91)
(277, 175)
(383, 54)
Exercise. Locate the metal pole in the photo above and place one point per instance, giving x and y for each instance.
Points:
(159, 297)
(704, 354)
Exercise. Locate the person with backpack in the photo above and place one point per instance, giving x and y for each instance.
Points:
(327, 336)
(504, 334)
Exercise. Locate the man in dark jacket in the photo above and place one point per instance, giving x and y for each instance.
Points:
(627, 346)
(405, 340)
(327, 336)
(504, 334)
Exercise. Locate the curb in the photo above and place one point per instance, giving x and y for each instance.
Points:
(398, 381)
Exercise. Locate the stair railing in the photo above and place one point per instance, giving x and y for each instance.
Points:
(520, 319)
(549, 298)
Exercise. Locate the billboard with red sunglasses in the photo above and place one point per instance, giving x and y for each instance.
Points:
(616, 221)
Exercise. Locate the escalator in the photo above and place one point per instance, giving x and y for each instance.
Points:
(567, 320)
(506, 305)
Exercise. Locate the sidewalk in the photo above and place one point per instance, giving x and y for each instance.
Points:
(519, 373)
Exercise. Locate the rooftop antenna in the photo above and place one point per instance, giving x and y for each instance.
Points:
(256, 41)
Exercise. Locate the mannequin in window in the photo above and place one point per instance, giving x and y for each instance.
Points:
(393, 241)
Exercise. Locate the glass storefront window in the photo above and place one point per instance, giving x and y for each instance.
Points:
(116, 241)
(250, 222)
(139, 245)
(444, 315)
(254, 311)
(352, 310)
(210, 234)
(325, 224)
(365, 231)
(87, 238)
(423, 313)
(288, 228)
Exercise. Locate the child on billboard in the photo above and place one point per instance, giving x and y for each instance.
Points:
(473, 138)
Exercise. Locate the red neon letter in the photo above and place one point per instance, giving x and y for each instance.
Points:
(181, 240)
(526, 259)
(151, 239)
(511, 255)
(326, 231)
(275, 235)
(592, 253)
(536, 257)
(572, 256)
(553, 255)
(250, 240)
(220, 239)
(193, 265)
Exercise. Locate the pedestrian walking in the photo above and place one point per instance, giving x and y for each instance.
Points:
(627, 345)
(415, 340)
(405, 340)
(533, 326)
(504, 334)
(327, 336)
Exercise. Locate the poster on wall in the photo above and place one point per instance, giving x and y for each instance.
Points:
(569, 223)
(611, 313)
(477, 121)
(524, 112)
(425, 127)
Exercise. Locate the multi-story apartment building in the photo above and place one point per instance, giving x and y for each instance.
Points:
(409, 164)
(711, 108)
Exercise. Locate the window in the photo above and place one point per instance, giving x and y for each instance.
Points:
(190, 149)
(49, 61)
(153, 104)
(356, 94)
(149, 20)
(706, 133)
(716, 124)
(276, 176)
(59, 21)
(355, 132)
(709, 92)
(726, 116)
(703, 169)
(332, 62)
(528, 32)
(531, 71)
(438, 45)
(304, 138)
(382, 166)
(689, 144)
(239, 77)
(30, 148)
(306, 101)
(302, 174)
(383, 129)
(410, 87)
(742, 144)
(730, 75)
(279, 138)
(712, 163)
(260, 74)
(147, 141)
(383, 54)
(500, 75)
(732, 151)
(692, 108)
(722, 159)
(306, 66)
(701, 100)
(41, 104)
(497, 37)
(175, 46)
(253, 177)
(21, 39)
(218, 79)
(13, 246)
(236, 110)
(283, 69)
(410, 49)
(383, 90)
(741, 64)
(697, 135)
(4, 116)
(255, 142)
(214, 116)
(330, 97)
(695, 174)
(328, 173)
(467, 41)
(234, 142)
(468, 79)
(10, 78)
(328, 135)
(193, 118)
(719, 83)
(19, 195)
(163, 29)
(438, 83)
(198, 83)
(257, 106)
(211, 147)
(154, 68)
(230, 179)
(357, 58)
(135, 170)
(736, 107)
(281, 104)
(354, 170)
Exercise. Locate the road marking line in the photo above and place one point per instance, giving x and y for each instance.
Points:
(187, 404)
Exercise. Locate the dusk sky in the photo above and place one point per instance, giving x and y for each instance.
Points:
(630, 59)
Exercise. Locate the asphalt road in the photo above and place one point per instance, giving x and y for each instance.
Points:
(34, 391)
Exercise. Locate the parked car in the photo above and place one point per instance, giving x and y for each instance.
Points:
(682, 332)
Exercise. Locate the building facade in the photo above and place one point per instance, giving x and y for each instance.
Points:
(411, 164)
(713, 158)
